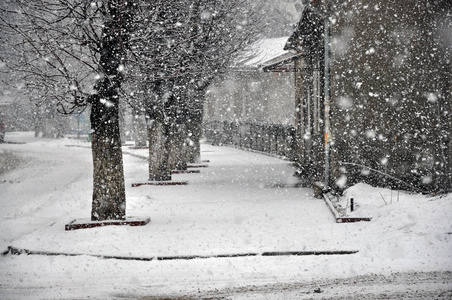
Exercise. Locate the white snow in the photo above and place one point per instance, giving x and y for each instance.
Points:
(267, 51)
(243, 202)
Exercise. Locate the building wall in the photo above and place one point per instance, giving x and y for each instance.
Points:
(253, 96)
(308, 41)
(391, 93)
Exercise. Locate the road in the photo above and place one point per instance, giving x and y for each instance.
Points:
(417, 285)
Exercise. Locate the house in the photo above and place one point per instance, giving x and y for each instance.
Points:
(373, 93)
(258, 89)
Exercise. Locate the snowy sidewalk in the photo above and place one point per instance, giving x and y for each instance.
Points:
(241, 203)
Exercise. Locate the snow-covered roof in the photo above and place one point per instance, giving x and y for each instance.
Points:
(267, 52)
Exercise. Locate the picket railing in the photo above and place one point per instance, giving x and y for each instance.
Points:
(275, 139)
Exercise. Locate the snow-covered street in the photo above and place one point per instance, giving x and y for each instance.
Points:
(243, 202)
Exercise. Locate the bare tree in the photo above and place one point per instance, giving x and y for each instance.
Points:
(71, 54)
(183, 45)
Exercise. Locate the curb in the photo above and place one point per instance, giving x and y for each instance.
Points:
(87, 223)
(185, 171)
(159, 183)
(17, 251)
(338, 217)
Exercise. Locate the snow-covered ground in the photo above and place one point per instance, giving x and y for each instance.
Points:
(242, 203)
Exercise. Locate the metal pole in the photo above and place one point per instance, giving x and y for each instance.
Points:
(327, 132)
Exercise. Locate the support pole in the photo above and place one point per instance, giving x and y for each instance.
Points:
(327, 132)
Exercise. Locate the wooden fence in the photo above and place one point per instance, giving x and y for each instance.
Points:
(275, 139)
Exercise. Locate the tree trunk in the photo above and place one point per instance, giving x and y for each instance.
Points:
(178, 153)
(194, 148)
(122, 123)
(139, 129)
(109, 199)
(158, 135)
(195, 126)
